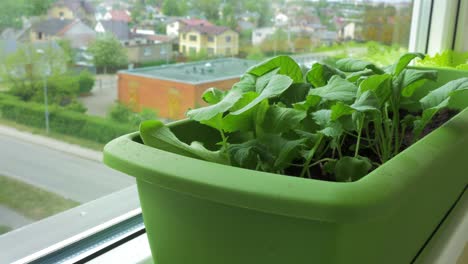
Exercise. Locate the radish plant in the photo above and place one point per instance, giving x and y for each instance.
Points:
(336, 122)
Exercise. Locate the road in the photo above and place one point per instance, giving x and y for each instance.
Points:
(70, 176)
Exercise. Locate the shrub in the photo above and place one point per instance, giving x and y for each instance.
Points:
(86, 81)
(61, 120)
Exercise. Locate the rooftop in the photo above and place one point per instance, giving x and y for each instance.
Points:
(196, 72)
(205, 29)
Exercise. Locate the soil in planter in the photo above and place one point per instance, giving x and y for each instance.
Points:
(317, 172)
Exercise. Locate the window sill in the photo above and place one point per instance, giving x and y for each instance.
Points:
(44, 238)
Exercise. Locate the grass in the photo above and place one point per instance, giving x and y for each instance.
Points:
(69, 139)
(5, 229)
(30, 201)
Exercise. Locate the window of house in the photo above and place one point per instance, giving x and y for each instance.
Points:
(147, 51)
(70, 180)
(210, 51)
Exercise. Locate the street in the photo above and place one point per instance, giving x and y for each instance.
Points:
(70, 176)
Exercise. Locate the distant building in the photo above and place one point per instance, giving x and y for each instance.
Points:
(214, 40)
(281, 19)
(117, 15)
(142, 49)
(260, 34)
(174, 26)
(173, 89)
(77, 32)
(119, 29)
(72, 9)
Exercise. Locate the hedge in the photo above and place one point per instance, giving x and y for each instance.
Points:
(75, 124)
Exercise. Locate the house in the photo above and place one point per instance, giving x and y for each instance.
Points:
(174, 88)
(214, 40)
(142, 49)
(78, 33)
(281, 19)
(117, 15)
(173, 26)
(119, 29)
(260, 34)
(73, 9)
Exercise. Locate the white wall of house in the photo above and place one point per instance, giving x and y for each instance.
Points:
(260, 34)
(349, 31)
(172, 29)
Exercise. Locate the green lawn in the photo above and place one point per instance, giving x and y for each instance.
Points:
(30, 201)
(5, 229)
(73, 140)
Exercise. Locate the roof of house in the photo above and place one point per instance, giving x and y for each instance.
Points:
(51, 26)
(120, 15)
(119, 29)
(205, 29)
(195, 22)
(196, 72)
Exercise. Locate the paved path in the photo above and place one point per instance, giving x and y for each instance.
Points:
(11, 218)
(70, 176)
(103, 95)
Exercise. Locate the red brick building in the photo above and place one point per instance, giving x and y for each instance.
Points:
(173, 89)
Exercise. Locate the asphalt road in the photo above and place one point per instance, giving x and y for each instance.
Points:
(70, 176)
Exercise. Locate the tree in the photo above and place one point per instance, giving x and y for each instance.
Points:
(25, 69)
(209, 8)
(108, 52)
(12, 11)
(174, 8)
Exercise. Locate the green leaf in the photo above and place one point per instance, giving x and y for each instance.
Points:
(404, 60)
(356, 65)
(413, 79)
(340, 109)
(246, 83)
(208, 112)
(243, 122)
(287, 66)
(329, 127)
(311, 101)
(380, 85)
(319, 74)
(297, 92)
(263, 80)
(337, 89)
(436, 100)
(353, 77)
(245, 155)
(351, 168)
(366, 102)
(213, 95)
(439, 95)
(155, 134)
(280, 119)
(277, 85)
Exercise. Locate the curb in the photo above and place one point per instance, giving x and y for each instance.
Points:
(52, 143)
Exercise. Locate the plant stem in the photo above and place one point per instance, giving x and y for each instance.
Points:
(360, 125)
(225, 145)
(310, 156)
(320, 161)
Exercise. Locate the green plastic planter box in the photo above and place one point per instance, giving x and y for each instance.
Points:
(204, 213)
